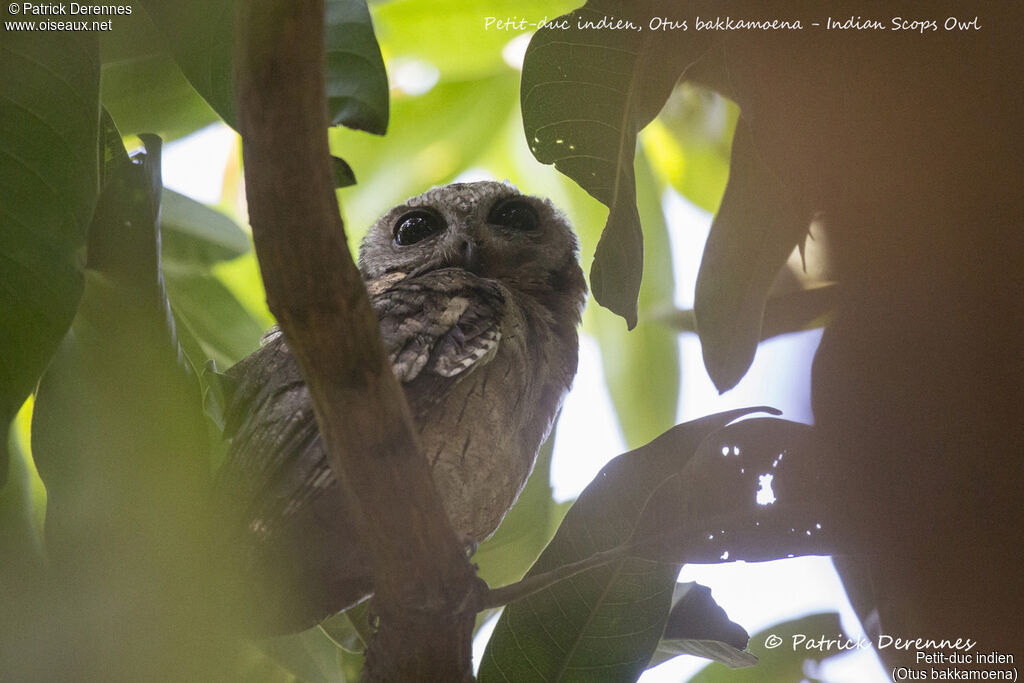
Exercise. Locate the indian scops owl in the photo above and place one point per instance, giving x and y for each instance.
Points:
(478, 292)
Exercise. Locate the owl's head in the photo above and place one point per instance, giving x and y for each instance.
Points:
(487, 228)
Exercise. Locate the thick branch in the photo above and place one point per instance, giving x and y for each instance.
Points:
(422, 577)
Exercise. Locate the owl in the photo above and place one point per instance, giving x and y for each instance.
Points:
(478, 292)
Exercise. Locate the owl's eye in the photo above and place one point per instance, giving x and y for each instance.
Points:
(417, 226)
(517, 214)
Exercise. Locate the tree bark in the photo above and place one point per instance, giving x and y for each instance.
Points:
(425, 587)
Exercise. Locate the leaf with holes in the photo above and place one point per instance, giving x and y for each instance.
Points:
(753, 491)
(605, 622)
(586, 93)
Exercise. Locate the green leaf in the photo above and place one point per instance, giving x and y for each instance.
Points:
(21, 542)
(585, 95)
(605, 623)
(200, 35)
(311, 656)
(803, 309)
(782, 663)
(142, 86)
(753, 234)
(344, 176)
(226, 332)
(433, 137)
(357, 84)
(698, 626)
(119, 440)
(641, 366)
(49, 180)
(195, 234)
(689, 143)
(350, 630)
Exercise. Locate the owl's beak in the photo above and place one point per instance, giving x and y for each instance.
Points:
(471, 257)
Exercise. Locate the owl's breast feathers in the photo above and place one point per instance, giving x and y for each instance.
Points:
(484, 371)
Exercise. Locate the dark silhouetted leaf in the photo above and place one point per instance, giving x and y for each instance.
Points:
(200, 34)
(754, 232)
(698, 626)
(641, 366)
(49, 115)
(605, 622)
(803, 309)
(586, 93)
(784, 662)
(753, 491)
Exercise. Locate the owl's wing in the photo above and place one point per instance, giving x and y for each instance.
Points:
(445, 321)
(435, 326)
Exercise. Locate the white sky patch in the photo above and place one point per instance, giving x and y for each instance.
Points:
(765, 495)
(194, 165)
(514, 52)
(588, 432)
(758, 595)
(413, 76)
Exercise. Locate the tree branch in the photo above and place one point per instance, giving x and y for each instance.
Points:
(425, 587)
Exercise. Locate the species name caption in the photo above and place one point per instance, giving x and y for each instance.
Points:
(727, 23)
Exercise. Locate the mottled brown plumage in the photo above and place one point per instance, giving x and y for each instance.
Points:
(478, 292)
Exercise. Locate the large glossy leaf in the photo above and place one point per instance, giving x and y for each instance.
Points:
(605, 623)
(119, 439)
(200, 35)
(142, 86)
(754, 232)
(49, 123)
(586, 93)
